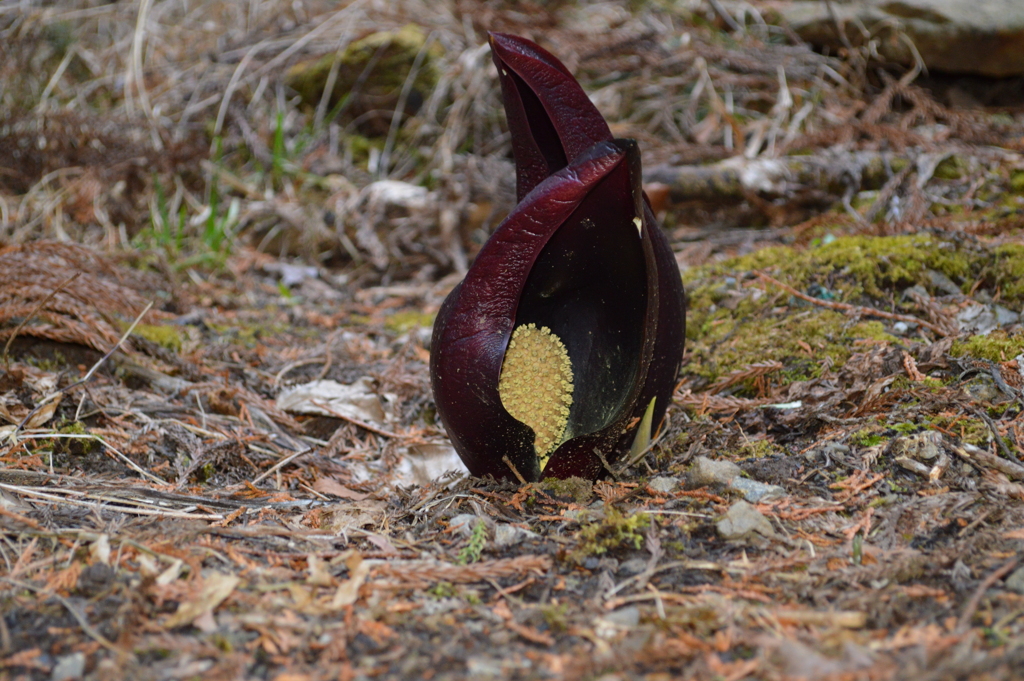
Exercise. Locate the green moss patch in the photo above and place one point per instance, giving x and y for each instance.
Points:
(997, 346)
(1009, 271)
(578, 490)
(614, 531)
(162, 334)
(403, 321)
(1017, 182)
(865, 265)
(734, 320)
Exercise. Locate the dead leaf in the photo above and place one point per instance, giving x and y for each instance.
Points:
(25, 658)
(382, 543)
(303, 597)
(99, 550)
(348, 591)
(206, 622)
(6, 414)
(319, 575)
(421, 464)
(171, 573)
(355, 515)
(358, 400)
(42, 416)
(11, 502)
(216, 587)
(336, 489)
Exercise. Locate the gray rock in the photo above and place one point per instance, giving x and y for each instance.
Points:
(633, 566)
(577, 515)
(984, 38)
(69, 667)
(1005, 316)
(742, 521)
(705, 471)
(291, 275)
(977, 318)
(983, 388)
(755, 490)
(510, 535)
(484, 666)
(627, 617)
(1015, 582)
(664, 484)
(943, 283)
(913, 466)
(496, 667)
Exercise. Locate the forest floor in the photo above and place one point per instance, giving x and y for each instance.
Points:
(219, 456)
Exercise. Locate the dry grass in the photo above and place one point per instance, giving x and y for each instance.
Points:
(170, 122)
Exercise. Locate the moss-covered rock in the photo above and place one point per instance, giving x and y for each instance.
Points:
(853, 266)
(370, 75)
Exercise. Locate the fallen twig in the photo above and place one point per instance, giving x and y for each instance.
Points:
(744, 373)
(852, 309)
(21, 519)
(1000, 442)
(717, 403)
(279, 465)
(979, 457)
(964, 623)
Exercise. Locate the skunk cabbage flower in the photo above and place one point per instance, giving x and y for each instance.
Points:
(560, 349)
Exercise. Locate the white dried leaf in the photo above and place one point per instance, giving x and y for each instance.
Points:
(359, 400)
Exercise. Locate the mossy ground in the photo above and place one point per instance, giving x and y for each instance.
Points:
(405, 320)
(997, 346)
(169, 337)
(612, 532)
(736, 320)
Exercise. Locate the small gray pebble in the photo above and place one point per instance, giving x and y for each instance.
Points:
(1015, 582)
(633, 566)
(705, 471)
(664, 484)
(755, 491)
(510, 535)
(626, 618)
(743, 520)
(69, 667)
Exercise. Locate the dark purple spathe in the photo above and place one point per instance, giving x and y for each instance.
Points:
(581, 254)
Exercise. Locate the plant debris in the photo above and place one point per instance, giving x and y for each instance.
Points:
(219, 454)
